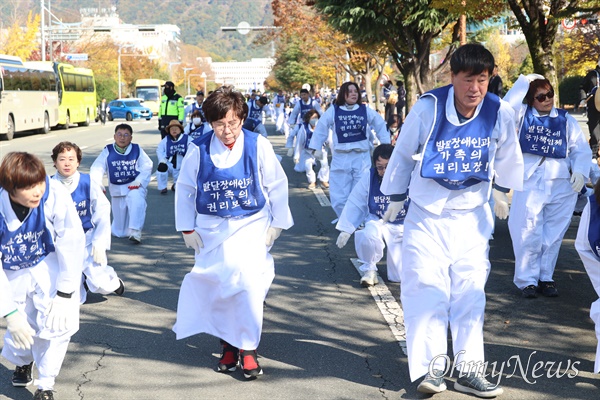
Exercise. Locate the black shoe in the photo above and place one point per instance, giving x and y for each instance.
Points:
(250, 364)
(164, 191)
(433, 382)
(547, 288)
(121, 289)
(173, 187)
(22, 376)
(229, 360)
(477, 385)
(43, 395)
(530, 292)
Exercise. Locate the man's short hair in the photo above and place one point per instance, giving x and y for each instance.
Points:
(304, 91)
(473, 59)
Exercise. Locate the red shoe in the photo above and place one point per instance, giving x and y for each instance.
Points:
(229, 358)
(249, 360)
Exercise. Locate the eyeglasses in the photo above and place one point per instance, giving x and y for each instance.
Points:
(381, 168)
(542, 97)
(123, 135)
(220, 126)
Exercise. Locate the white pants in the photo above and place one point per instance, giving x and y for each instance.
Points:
(307, 160)
(346, 171)
(538, 220)
(31, 288)
(99, 278)
(129, 212)
(444, 270)
(162, 178)
(280, 125)
(370, 243)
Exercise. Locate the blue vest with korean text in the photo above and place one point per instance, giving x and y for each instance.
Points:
(350, 126)
(178, 147)
(457, 157)
(229, 192)
(30, 243)
(594, 227)
(379, 202)
(304, 108)
(254, 112)
(309, 132)
(543, 135)
(121, 167)
(82, 198)
(196, 131)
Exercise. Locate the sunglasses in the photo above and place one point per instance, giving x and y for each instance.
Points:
(542, 97)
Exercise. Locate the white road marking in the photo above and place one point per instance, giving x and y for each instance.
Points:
(321, 197)
(389, 308)
(43, 137)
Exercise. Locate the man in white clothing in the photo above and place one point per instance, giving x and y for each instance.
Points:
(128, 168)
(455, 141)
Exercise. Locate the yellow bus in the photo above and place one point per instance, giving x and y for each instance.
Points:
(77, 103)
(149, 90)
(28, 97)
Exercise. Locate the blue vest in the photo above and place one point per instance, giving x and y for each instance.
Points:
(121, 167)
(304, 108)
(251, 123)
(351, 126)
(457, 157)
(30, 243)
(309, 132)
(279, 99)
(178, 147)
(196, 132)
(253, 111)
(82, 198)
(544, 135)
(594, 227)
(229, 192)
(379, 202)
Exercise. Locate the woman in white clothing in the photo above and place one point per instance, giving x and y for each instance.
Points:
(304, 158)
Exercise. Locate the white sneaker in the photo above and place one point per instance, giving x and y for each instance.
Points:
(369, 278)
(136, 236)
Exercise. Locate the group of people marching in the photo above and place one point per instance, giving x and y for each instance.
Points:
(460, 152)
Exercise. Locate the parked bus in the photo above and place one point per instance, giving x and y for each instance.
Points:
(149, 90)
(28, 97)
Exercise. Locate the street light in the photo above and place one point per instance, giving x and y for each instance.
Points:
(203, 76)
(185, 70)
(121, 47)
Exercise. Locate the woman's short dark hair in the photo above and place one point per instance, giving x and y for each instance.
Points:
(309, 115)
(21, 170)
(341, 97)
(534, 86)
(66, 146)
(221, 101)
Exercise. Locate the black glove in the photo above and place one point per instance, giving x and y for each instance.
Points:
(162, 167)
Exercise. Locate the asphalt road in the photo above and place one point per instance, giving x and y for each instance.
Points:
(324, 336)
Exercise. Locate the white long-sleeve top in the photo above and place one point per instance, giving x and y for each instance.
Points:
(293, 119)
(404, 167)
(100, 168)
(578, 151)
(98, 236)
(161, 149)
(375, 123)
(301, 139)
(64, 225)
(273, 182)
(356, 210)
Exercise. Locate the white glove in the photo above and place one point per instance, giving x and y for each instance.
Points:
(296, 160)
(577, 181)
(500, 204)
(99, 255)
(63, 313)
(20, 330)
(342, 239)
(393, 210)
(290, 152)
(134, 185)
(193, 241)
(272, 235)
(533, 77)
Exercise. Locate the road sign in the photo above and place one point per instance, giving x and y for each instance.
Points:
(568, 23)
(243, 28)
(77, 57)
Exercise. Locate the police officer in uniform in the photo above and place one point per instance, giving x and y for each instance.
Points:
(171, 107)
